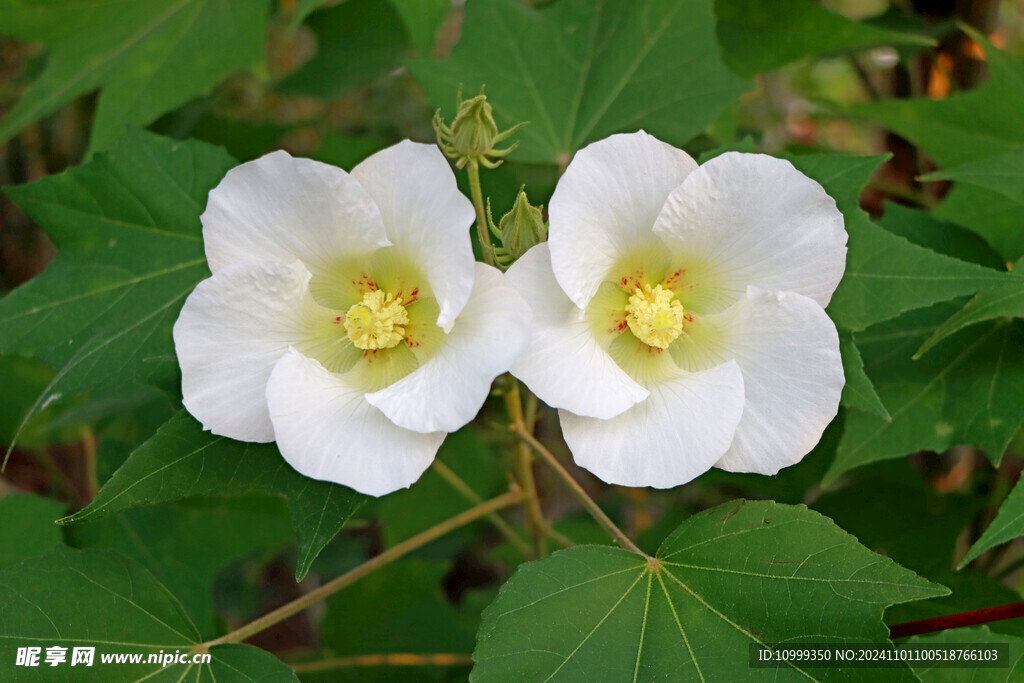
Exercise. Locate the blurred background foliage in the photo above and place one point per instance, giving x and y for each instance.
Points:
(337, 80)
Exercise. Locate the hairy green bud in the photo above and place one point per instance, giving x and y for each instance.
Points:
(473, 134)
(522, 227)
(474, 130)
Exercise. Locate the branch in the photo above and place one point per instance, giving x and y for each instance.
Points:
(593, 508)
(353, 575)
(390, 659)
(972, 618)
(457, 483)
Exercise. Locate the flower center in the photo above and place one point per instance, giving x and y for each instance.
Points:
(654, 316)
(377, 321)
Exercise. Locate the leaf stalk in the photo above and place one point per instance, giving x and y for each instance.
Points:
(371, 565)
(592, 507)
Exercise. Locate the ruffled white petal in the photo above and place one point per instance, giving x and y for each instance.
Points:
(426, 217)
(446, 392)
(281, 208)
(788, 350)
(751, 219)
(564, 365)
(326, 430)
(677, 434)
(605, 206)
(232, 329)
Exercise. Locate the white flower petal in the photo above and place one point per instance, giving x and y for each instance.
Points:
(788, 350)
(677, 434)
(447, 391)
(564, 365)
(281, 208)
(232, 329)
(326, 430)
(751, 219)
(605, 206)
(426, 217)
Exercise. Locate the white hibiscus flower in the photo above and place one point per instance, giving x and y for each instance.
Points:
(679, 315)
(345, 318)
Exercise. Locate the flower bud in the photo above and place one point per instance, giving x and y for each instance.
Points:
(474, 131)
(473, 134)
(522, 227)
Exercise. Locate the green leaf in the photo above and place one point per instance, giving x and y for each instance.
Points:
(101, 599)
(358, 41)
(21, 419)
(28, 527)
(130, 250)
(977, 636)
(989, 198)
(968, 390)
(422, 19)
(1002, 173)
(740, 573)
(146, 57)
(580, 70)
(243, 663)
(885, 274)
(110, 405)
(906, 520)
(962, 128)
(184, 546)
(858, 392)
(989, 214)
(1008, 525)
(758, 36)
(926, 230)
(182, 461)
(1005, 301)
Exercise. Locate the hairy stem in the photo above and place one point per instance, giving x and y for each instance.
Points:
(592, 507)
(557, 537)
(524, 470)
(374, 563)
(457, 483)
(92, 483)
(482, 232)
(389, 659)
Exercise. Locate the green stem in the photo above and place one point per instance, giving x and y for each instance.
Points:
(524, 469)
(556, 536)
(92, 483)
(371, 565)
(389, 659)
(592, 507)
(482, 232)
(457, 483)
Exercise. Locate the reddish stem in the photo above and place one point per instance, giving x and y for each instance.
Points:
(972, 618)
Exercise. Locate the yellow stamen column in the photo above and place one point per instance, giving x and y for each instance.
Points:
(376, 322)
(654, 316)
